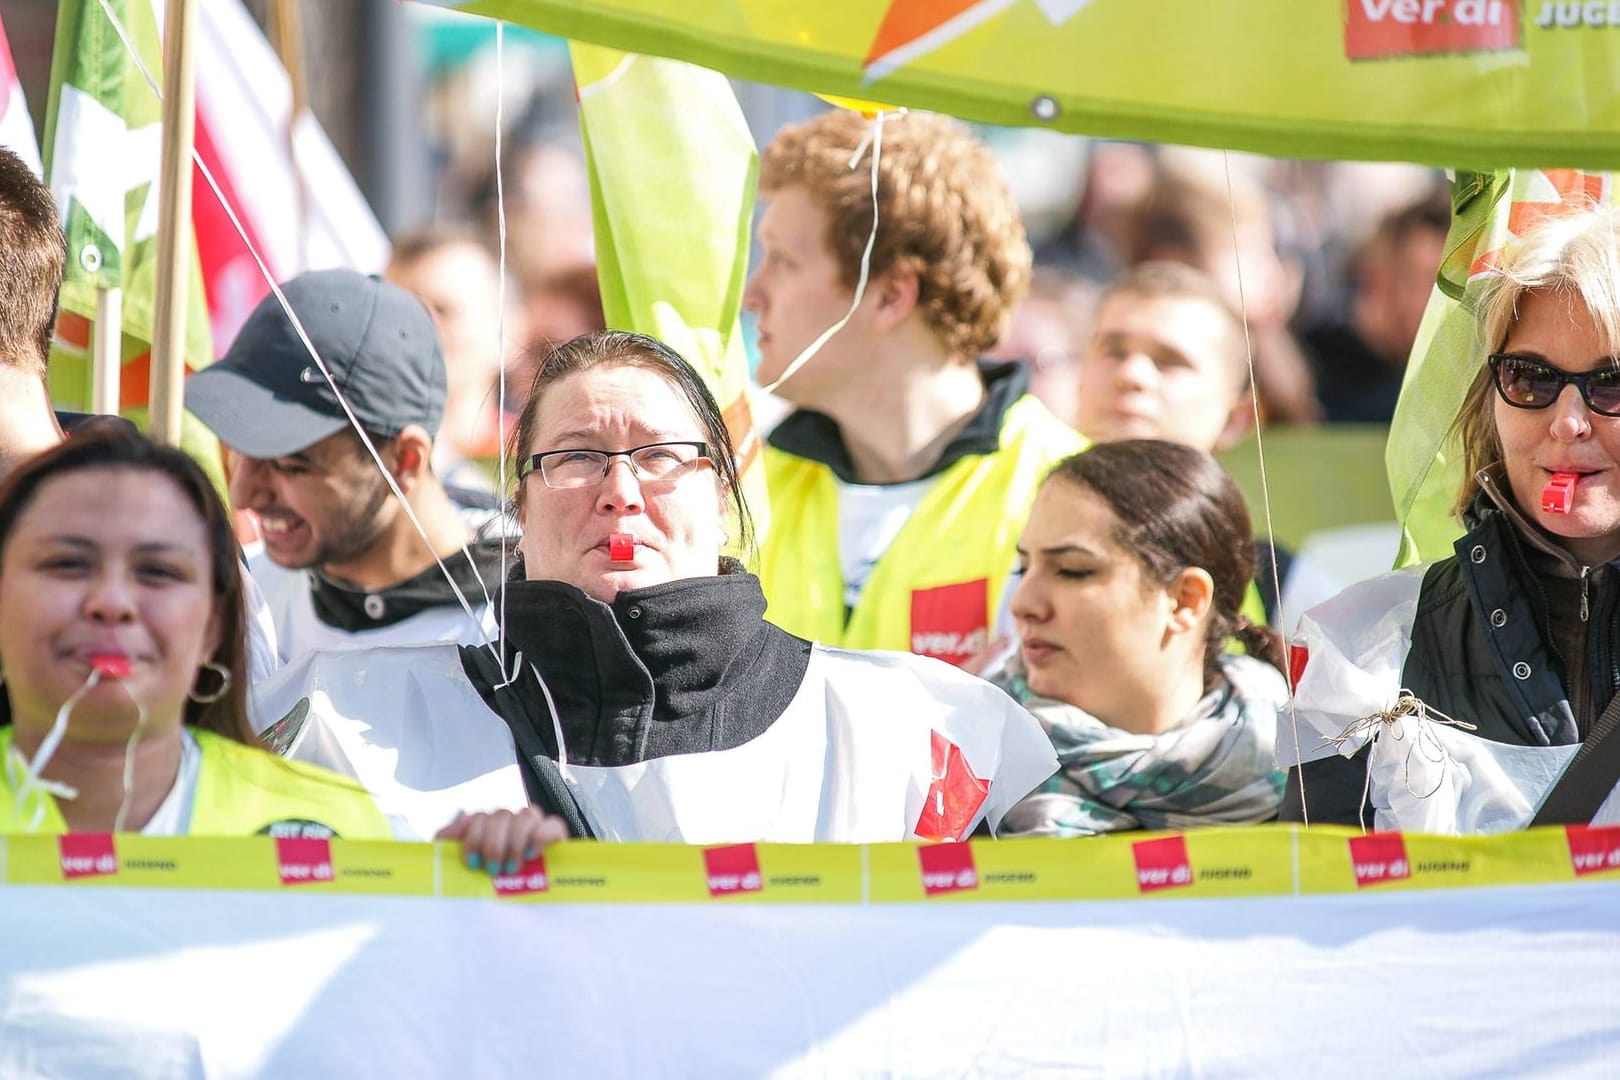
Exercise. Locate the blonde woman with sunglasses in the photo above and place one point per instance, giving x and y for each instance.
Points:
(1454, 697)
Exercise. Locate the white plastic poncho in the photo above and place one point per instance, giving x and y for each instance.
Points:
(873, 747)
(1425, 772)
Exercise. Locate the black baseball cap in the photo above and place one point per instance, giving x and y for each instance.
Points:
(266, 397)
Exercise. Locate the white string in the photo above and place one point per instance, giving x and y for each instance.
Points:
(129, 762)
(298, 328)
(875, 137)
(1265, 487)
(32, 779)
(556, 726)
(500, 330)
(1393, 720)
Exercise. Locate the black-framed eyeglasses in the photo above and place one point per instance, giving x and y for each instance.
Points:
(581, 468)
(1527, 383)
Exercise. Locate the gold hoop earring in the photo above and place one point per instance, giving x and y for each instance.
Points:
(209, 698)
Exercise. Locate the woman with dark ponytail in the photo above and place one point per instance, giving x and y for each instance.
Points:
(1133, 567)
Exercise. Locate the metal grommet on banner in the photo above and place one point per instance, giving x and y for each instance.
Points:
(90, 257)
(1045, 108)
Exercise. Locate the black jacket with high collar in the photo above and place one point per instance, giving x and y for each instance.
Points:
(678, 668)
(1482, 650)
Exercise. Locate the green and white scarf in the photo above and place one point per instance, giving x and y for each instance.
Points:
(1217, 767)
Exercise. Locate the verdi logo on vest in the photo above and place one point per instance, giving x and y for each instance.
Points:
(1162, 864)
(1374, 29)
(87, 855)
(947, 868)
(733, 869)
(951, 622)
(1379, 858)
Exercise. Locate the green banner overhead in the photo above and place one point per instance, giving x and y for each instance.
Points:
(1464, 83)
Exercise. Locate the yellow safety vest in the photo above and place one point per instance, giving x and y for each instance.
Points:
(937, 588)
(241, 791)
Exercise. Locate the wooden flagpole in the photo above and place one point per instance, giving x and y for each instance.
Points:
(174, 220)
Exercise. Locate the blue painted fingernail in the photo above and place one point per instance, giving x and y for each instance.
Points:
(473, 860)
(494, 867)
(512, 867)
(529, 855)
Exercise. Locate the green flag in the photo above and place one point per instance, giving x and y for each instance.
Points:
(672, 169)
(102, 153)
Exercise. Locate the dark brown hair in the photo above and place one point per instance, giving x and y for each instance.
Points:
(33, 252)
(114, 448)
(1177, 508)
(620, 348)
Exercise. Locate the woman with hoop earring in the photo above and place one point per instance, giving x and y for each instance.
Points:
(123, 648)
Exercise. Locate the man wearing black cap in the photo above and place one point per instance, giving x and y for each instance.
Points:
(365, 573)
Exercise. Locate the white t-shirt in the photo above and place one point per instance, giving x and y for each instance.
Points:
(870, 516)
(299, 630)
(173, 817)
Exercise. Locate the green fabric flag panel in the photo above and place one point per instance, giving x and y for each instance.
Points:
(1459, 83)
(102, 153)
(672, 171)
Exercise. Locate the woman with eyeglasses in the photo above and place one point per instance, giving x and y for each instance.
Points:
(1450, 697)
(646, 694)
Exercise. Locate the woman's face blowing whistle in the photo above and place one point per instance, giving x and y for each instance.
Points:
(1561, 456)
(106, 572)
(605, 525)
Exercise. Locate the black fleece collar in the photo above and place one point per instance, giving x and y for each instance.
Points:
(810, 434)
(683, 667)
(1544, 554)
(354, 610)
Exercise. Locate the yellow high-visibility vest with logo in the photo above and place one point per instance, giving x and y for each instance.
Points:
(241, 791)
(939, 585)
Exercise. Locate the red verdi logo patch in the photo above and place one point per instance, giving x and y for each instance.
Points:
(530, 878)
(1162, 864)
(1374, 29)
(951, 622)
(1379, 858)
(955, 795)
(1593, 850)
(733, 869)
(87, 855)
(947, 868)
(302, 860)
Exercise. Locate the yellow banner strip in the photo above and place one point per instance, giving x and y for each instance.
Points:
(1276, 860)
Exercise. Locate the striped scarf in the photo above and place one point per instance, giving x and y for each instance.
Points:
(1217, 767)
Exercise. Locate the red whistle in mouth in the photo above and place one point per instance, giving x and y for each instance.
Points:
(1559, 494)
(621, 547)
(110, 665)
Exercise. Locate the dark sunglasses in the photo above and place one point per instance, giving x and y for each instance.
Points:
(1532, 384)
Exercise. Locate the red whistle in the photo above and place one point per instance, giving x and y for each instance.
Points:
(1559, 494)
(110, 665)
(621, 547)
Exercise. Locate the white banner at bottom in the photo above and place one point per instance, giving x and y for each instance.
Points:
(122, 982)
